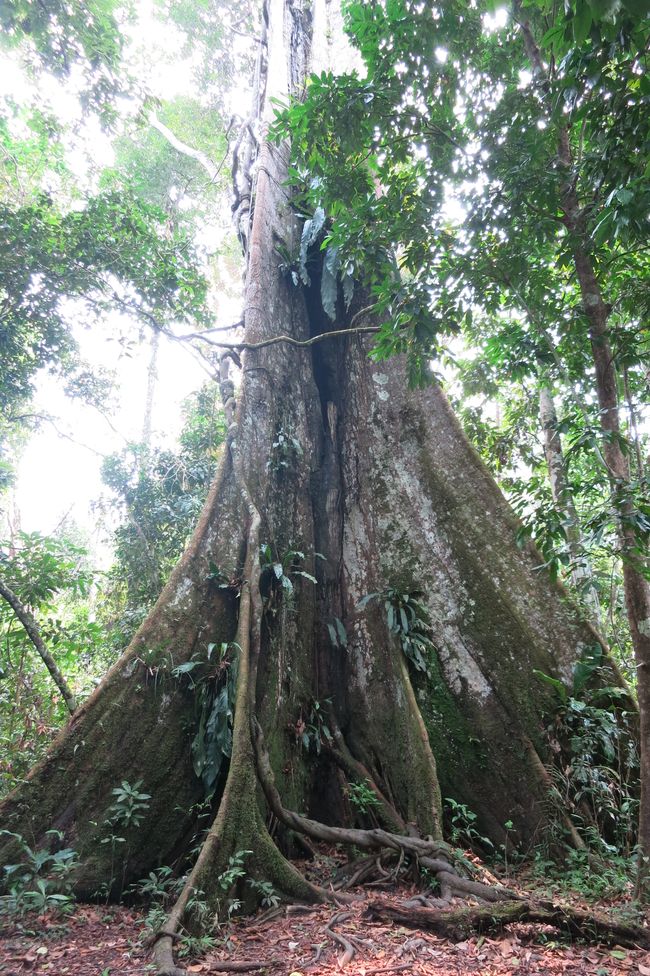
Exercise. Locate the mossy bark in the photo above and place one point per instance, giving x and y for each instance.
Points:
(462, 923)
(137, 725)
(382, 482)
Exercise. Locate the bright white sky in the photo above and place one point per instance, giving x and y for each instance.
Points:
(59, 473)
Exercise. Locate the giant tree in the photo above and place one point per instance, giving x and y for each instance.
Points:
(352, 606)
(540, 130)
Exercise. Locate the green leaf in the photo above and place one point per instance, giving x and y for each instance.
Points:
(638, 8)
(581, 23)
(301, 572)
(624, 195)
(310, 232)
(341, 631)
(365, 600)
(329, 282)
(555, 683)
(185, 668)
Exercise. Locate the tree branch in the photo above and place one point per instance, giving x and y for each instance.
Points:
(301, 343)
(28, 621)
(201, 158)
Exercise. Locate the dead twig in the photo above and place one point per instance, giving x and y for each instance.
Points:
(399, 968)
(243, 966)
(349, 950)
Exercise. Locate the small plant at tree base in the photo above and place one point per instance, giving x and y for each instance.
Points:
(41, 880)
(362, 797)
(162, 887)
(408, 619)
(125, 812)
(198, 908)
(268, 895)
(159, 885)
(504, 847)
(129, 807)
(228, 878)
(612, 878)
(462, 826)
(190, 946)
(202, 812)
(596, 773)
(233, 873)
(154, 920)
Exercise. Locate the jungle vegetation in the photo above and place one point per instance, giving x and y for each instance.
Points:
(420, 569)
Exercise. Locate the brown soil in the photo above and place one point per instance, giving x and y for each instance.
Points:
(102, 941)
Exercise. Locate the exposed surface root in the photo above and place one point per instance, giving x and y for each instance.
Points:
(390, 969)
(96, 938)
(342, 756)
(434, 855)
(348, 948)
(373, 839)
(458, 924)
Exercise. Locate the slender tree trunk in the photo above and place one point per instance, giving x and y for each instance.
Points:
(581, 571)
(637, 588)
(634, 424)
(28, 621)
(152, 379)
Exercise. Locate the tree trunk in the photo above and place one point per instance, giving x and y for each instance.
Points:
(382, 482)
(152, 379)
(581, 571)
(596, 313)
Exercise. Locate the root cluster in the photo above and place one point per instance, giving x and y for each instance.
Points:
(468, 901)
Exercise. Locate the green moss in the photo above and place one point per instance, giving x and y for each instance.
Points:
(130, 740)
(460, 755)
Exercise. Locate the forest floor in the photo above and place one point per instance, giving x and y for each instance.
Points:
(103, 940)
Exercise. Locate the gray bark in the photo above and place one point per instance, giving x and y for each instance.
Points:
(581, 570)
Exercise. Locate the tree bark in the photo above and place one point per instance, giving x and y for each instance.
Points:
(462, 923)
(152, 379)
(581, 571)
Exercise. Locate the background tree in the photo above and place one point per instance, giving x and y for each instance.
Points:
(158, 495)
(51, 579)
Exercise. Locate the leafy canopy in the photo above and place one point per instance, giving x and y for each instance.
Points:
(440, 174)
